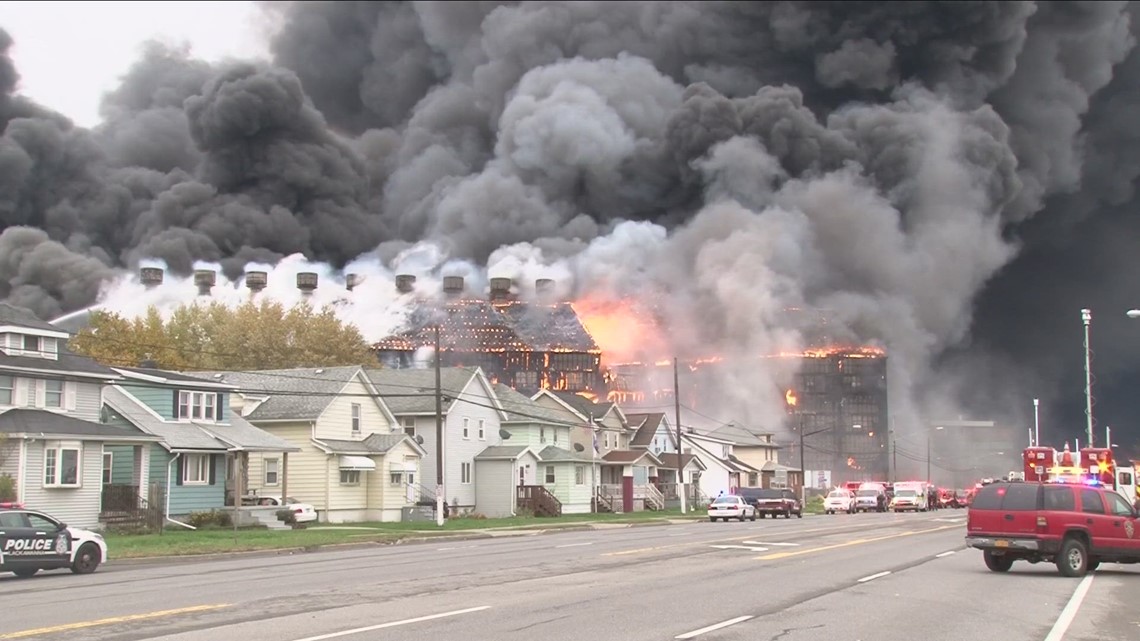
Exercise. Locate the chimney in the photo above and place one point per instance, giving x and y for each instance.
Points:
(500, 289)
(205, 279)
(307, 283)
(405, 283)
(151, 277)
(453, 285)
(544, 287)
(351, 281)
(256, 281)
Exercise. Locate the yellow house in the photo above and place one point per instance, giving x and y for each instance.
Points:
(758, 453)
(356, 463)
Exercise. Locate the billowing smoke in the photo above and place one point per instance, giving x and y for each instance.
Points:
(713, 163)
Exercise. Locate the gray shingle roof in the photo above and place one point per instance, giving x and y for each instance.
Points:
(740, 435)
(173, 376)
(23, 317)
(300, 394)
(412, 391)
(384, 442)
(239, 433)
(521, 409)
(552, 453)
(772, 466)
(18, 421)
(648, 427)
(502, 452)
(339, 446)
(66, 361)
(583, 405)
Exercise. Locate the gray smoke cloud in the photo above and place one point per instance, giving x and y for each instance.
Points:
(716, 162)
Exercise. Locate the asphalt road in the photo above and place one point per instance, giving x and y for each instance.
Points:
(867, 577)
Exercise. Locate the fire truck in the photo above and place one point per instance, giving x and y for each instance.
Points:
(1091, 466)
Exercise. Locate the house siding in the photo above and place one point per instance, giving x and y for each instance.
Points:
(715, 478)
(185, 499)
(10, 459)
(474, 403)
(575, 498)
(122, 463)
(336, 421)
(349, 503)
(81, 399)
(78, 507)
(537, 435)
(306, 480)
(159, 399)
(495, 483)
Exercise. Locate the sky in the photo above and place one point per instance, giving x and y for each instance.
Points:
(70, 53)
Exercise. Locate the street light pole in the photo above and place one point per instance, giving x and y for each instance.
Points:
(1086, 317)
(1036, 422)
(439, 493)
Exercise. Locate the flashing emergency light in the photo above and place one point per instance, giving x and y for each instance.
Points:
(1092, 482)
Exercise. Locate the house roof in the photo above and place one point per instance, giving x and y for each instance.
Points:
(647, 425)
(502, 452)
(772, 466)
(372, 444)
(164, 377)
(583, 405)
(300, 394)
(629, 456)
(552, 453)
(412, 391)
(238, 434)
(24, 317)
(744, 467)
(669, 460)
(742, 436)
(34, 422)
(519, 408)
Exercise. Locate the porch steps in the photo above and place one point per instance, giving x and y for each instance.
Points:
(269, 520)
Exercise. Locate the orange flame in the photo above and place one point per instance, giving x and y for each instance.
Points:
(621, 330)
(790, 398)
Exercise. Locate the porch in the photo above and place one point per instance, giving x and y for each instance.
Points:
(611, 497)
(128, 499)
(628, 482)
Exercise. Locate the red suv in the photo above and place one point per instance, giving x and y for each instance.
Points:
(1075, 526)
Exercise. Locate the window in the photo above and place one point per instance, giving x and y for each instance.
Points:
(465, 473)
(356, 418)
(1091, 502)
(350, 477)
(32, 345)
(1058, 498)
(466, 427)
(549, 473)
(579, 475)
(1119, 506)
(1020, 497)
(409, 425)
(606, 441)
(41, 522)
(541, 434)
(53, 393)
(272, 471)
(196, 469)
(482, 429)
(61, 464)
(753, 479)
(108, 467)
(7, 390)
(196, 406)
(396, 478)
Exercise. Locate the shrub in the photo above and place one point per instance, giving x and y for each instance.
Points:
(286, 516)
(210, 520)
(7, 488)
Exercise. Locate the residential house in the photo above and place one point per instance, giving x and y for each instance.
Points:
(565, 470)
(625, 477)
(654, 433)
(758, 452)
(203, 443)
(352, 462)
(53, 445)
(472, 420)
(723, 472)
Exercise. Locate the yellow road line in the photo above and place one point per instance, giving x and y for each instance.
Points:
(111, 621)
(784, 555)
(781, 535)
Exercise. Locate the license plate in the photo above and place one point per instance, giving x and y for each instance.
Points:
(1001, 543)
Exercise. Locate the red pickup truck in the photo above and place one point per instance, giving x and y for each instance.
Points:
(1075, 526)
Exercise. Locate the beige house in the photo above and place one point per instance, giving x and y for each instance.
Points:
(355, 463)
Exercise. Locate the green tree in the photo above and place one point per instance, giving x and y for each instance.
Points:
(7, 483)
(255, 335)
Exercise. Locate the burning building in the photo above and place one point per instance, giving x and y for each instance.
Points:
(529, 346)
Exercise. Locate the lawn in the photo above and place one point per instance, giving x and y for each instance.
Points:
(460, 523)
(180, 542)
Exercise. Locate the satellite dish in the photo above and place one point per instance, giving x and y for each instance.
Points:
(504, 434)
(419, 439)
(578, 447)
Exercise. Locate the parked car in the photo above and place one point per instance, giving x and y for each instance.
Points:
(731, 507)
(871, 500)
(302, 512)
(839, 500)
(776, 502)
(31, 541)
(1075, 526)
(908, 499)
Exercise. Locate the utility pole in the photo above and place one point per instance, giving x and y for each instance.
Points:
(1036, 422)
(680, 450)
(439, 493)
(803, 470)
(894, 456)
(1086, 317)
(593, 464)
(928, 456)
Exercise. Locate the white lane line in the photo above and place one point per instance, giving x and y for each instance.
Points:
(711, 628)
(873, 577)
(393, 624)
(459, 547)
(944, 554)
(1070, 611)
(574, 545)
(790, 545)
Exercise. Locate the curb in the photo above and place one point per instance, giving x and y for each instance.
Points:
(410, 540)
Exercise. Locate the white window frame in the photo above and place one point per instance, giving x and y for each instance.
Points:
(396, 478)
(409, 425)
(37, 350)
(204, 402)
(579, 475)
(8, 384)
(465, 473)
(541, 433)
(108, 467)
(482, 429)
(53, 394)
(53, 459)
(356, 420)
(549, 477)
(272, 466)
(199, 464)
(466, 428)
(350, 477)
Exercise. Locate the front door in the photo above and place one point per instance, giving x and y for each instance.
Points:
(410, 486)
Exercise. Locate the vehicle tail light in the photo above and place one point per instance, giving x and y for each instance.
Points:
(297, 510)
(1042, 524)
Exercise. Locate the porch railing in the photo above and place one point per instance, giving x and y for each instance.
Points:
(539, 500)
(120, 497)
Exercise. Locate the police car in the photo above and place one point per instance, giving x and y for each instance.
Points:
(31, 541)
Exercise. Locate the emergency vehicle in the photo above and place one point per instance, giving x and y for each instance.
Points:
(31, 541)
(1094, 466)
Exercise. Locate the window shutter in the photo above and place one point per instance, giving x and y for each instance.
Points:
(40, 393)
(178, 471)
(218, 407)
(20, 392)
(174, 411)
(213, 461)
(70, 392)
